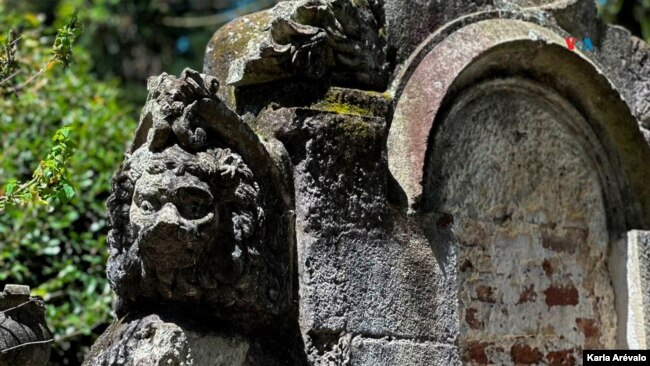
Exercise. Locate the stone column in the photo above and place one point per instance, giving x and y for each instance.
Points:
(637, 281)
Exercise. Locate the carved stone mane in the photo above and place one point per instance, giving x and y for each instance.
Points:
(186, 213)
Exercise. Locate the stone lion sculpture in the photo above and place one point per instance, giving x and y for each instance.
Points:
(186, 212)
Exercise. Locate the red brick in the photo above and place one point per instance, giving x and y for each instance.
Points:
(591, 331)
(470, 318)
(568, 242)
(561, 358)
(523, 354)
(485, 294)
(475, 352)
(548, 267)
(561, 295)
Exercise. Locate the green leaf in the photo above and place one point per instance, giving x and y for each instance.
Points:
(52, 250)
(69, 191)
(9, 188)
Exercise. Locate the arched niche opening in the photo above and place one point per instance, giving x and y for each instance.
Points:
(511, 165)
(530, 161)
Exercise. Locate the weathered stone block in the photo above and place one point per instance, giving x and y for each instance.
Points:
(154, 341)
(386, 351)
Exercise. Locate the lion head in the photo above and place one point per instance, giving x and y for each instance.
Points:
(186, 215)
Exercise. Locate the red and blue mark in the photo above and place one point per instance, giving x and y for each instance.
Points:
(584, 45)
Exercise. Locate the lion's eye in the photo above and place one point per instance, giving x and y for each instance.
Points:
(197, 210)
(193, 203)
(194, 210)
(146, 206)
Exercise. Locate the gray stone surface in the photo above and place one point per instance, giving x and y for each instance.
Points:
(644, 269)
(388, 351)
(410, 25)
(361, 182)
(16, 290)
(201, 231)
(152, 341)
(636, 271)
(361, 272)
(627, 59)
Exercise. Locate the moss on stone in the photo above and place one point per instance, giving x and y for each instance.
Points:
(358, 130)
(231, 41)
(351, 102)
(229, 44)
(387, 96)
(342, 108)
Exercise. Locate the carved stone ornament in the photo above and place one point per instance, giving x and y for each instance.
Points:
(338, 39)
(186, 213)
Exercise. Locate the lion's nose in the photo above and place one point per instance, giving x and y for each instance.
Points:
(168, 214)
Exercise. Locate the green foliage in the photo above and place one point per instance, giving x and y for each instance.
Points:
(134, 39)
(7, 57)
(65, 37)
(12, 69)
(49, 180)
(59, 250)
(632, 14)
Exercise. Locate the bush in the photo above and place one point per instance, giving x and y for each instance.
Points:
(632, 14)
(59, 250)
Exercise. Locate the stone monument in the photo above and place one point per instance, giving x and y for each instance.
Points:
(368, 182)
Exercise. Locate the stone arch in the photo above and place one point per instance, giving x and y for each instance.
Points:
(496, 48)
(519, 58)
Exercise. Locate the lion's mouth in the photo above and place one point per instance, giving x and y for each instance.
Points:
(171, 246)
